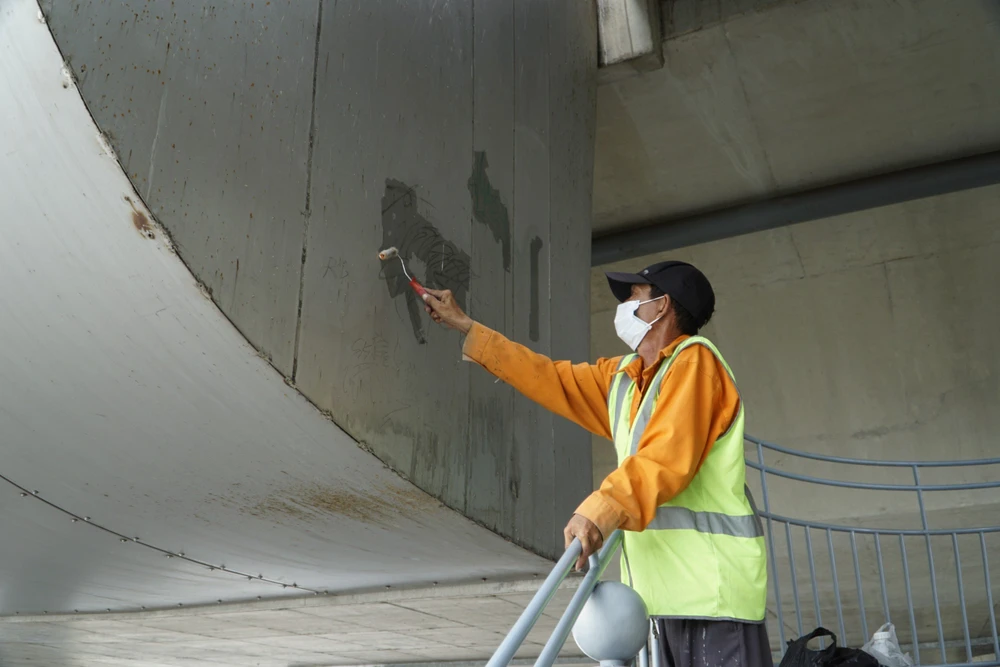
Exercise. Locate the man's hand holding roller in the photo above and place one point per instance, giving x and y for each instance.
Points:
(444, 309)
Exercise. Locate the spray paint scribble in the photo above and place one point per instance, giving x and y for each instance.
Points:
(445, 265)
(487, 207)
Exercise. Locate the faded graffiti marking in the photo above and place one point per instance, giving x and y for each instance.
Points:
(337, 268)
(445, 265)
(487, 206)
(375, 350)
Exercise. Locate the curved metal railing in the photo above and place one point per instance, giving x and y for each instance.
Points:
(919, 576)
(926, 604)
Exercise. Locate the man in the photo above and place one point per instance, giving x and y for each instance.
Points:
(694, 548)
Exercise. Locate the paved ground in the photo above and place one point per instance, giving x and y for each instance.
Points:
(430, 625)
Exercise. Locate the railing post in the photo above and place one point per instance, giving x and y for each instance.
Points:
(961, 598)
(989, 595)
(857, 581)
(656, 647)
(881, 579)
(812, 578)
(795, 583)
(909, 598)
(770, 545)
(643, 658)
(836, 586)
(930, 561)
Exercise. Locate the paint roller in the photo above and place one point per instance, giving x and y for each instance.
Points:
(390, 253)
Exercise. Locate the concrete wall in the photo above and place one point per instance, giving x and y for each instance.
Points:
(282, 144)
(151, 457)
(870, 335)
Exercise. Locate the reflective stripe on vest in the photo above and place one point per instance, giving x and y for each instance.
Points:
(681, 518)
(702, 555)
(616, 412)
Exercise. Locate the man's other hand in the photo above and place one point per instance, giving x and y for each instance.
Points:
(587, 532)
(444, 309)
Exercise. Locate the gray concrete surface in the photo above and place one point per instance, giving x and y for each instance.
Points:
(151, 457)
(758, 97)
(280, 146)
(283, 144)
(439, 625)
(157, 469)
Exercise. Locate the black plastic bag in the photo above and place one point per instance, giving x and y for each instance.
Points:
(800, 655)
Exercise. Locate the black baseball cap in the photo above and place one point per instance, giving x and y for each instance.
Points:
(679, 280)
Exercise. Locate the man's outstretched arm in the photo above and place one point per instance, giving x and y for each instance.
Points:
(577, 392)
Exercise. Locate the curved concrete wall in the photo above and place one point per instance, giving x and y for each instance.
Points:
(282, 144)
(151, 456)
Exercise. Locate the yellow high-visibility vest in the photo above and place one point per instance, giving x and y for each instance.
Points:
(703, 555)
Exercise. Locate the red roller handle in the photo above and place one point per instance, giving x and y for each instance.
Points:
(418, 288)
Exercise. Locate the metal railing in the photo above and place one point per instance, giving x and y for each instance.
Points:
(913, 588)
(924, 602)
(526, 621)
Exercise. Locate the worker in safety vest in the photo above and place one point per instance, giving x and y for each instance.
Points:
(694, 548)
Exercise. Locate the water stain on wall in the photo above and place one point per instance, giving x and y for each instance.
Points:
(487, 206)
(445, 265)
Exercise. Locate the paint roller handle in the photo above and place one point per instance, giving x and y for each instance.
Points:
(418, 288)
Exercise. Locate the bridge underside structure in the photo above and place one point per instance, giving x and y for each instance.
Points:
(232, 437)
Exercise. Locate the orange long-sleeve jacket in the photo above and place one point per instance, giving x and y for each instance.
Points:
(697, 403)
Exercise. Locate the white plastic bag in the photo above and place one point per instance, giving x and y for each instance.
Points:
(884, 647)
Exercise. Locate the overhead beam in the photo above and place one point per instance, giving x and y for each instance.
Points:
(826, 202)
(629, 30)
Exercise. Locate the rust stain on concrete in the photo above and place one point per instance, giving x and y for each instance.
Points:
(141, 221)
(385, 505)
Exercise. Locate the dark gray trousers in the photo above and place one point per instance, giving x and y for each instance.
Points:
(709, 643)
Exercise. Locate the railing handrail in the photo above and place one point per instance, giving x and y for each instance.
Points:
(873, 486)
(526, 621)
(905, 532)
(958, 463)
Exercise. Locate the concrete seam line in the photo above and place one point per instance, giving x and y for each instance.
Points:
(490, 589)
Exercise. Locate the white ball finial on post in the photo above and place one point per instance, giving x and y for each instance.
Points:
(613, 626)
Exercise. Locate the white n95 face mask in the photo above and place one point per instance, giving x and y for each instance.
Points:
(629, 327)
